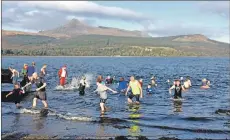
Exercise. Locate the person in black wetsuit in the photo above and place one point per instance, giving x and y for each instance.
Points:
(178, 89)
(82, 85)
(17, 93)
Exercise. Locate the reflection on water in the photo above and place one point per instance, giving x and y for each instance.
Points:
(177, 106)
(39, 122)
(134, 117)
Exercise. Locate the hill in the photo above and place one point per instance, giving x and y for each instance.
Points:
(75, 28)
(79, 39)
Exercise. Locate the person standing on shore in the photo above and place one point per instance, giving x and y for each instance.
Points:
(136, 90)
(62, 73)
(101, 89)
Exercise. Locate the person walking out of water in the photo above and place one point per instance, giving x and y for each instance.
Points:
(187, 83)
(40, 91)
(205, 84)
(43, 71)
(101, 89)
(31, 70)
(136, 90)
(62, 73)
(17, 93)
(122, 87)
(82, 85)
(15, 75)
(178, 89)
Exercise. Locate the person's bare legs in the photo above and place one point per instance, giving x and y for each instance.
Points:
(129, 101)
(34, 102)
(45, 104)
(18, 105)
(102, 105)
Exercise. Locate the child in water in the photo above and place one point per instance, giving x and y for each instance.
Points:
(149, 89)
(101, 89)
(17, 92)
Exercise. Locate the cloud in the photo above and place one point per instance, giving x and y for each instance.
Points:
(43, 15)
(160, 30)
(220, 8)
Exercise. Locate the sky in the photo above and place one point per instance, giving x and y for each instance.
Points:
(157, 18)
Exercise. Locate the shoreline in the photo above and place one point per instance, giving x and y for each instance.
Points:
(125, 56)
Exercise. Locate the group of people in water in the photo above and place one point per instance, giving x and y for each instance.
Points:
(133, 87)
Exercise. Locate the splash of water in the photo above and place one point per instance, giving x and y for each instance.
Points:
(75, 82)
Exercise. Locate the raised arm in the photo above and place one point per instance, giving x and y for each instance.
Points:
(171, 89)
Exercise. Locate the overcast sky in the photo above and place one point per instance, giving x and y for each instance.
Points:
(156, 18)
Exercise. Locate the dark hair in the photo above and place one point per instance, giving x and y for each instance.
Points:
(122, 79)
(99, 79)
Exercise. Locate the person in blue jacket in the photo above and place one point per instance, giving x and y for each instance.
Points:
(122, 87)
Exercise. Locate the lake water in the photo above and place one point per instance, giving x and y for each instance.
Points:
(157, 115)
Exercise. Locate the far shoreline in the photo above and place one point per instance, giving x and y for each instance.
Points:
(123, 56)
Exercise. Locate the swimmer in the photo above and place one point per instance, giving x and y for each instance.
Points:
(101, 89)
(108, 80)
(187, 83)
(17, 92)
(149, 89)
(15, 75)
(40, 91)
(178, 89)
(205, 84)
(136, 90)
(43, 71)
(153, 81)
(82, 85)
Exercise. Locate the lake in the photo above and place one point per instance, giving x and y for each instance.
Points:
(157, 116)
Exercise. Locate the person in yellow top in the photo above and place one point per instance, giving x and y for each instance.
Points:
(136, 90)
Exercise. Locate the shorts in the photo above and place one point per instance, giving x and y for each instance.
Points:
(17, 99)
(103, 100)
(136, 96)
(41, 95)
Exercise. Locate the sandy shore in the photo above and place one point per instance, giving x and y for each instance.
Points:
(21, 136)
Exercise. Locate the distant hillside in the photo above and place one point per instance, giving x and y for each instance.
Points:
(79, 39)
(75, 27)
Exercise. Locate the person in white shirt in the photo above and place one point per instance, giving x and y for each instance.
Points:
(15, 75)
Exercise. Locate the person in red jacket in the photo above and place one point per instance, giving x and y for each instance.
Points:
(62, 74)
